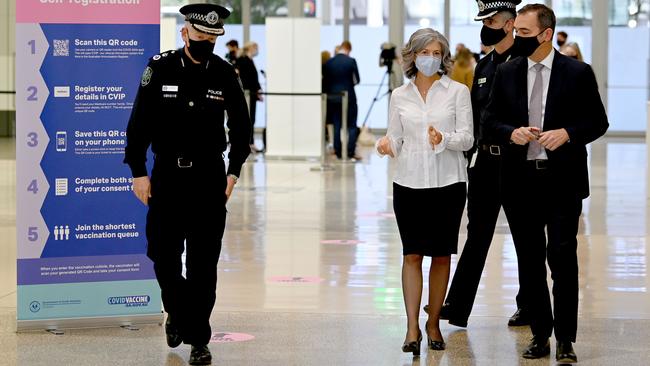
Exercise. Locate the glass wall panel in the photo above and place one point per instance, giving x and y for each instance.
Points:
(628, 78)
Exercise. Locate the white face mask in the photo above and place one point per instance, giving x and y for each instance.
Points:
(428, 65)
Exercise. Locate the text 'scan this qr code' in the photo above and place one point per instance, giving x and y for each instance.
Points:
(61, 47)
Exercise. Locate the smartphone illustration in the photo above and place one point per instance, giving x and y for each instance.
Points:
(61, 141)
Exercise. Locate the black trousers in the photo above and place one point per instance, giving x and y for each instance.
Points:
(484, 200)
(335, 109)
(177, 222)
(545, 216)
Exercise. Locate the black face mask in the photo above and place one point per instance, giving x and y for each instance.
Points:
(201, 50)
(525, 46)
(490, 37)
(560, 43)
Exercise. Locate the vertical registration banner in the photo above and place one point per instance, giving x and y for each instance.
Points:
(80, 231)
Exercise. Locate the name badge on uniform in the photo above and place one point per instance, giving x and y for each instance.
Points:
(170, 88)
(482, 81)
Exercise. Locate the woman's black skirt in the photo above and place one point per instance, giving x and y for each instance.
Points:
(429, 219)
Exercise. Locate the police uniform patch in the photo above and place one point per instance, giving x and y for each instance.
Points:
(482, 81)
(146, 76)
(481, 6)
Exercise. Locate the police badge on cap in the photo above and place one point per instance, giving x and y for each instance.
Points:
(206, 18)
(487, 8)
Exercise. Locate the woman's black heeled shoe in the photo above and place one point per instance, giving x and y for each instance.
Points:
(413, 346)
(435, 345)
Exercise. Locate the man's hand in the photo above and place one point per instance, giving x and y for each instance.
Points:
(383, 147)
(524, 135)
(142, 189)
(229, 186)
(553, 139)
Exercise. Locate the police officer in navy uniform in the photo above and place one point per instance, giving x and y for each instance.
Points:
(484, 199)
(179, 112)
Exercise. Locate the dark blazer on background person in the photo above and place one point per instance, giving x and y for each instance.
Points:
(248, 75)
(572, 103)
(340, 73)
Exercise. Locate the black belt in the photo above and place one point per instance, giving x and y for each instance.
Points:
(492, 149)
(538, 164)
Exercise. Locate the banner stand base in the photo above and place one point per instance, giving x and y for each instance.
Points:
(54, 326)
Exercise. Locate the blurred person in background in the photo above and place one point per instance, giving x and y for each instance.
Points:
(251, 84)
(572, 50)
(463, 69)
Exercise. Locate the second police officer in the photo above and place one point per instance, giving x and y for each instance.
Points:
(483, 196)
(179, 112)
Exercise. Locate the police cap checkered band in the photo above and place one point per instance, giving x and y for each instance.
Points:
(202, 18)
(488, 8)
(500, 4)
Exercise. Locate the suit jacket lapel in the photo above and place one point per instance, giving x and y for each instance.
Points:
(554, 90)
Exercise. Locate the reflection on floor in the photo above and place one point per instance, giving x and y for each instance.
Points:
(311, 269)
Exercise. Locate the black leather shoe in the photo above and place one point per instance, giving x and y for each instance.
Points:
(200, 355)
(519, 318)
(537, 348)
(564, 352)
(173, 335)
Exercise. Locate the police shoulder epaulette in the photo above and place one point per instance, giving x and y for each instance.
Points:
(163, 55)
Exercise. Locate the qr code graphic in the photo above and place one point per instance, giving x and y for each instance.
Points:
(61, 47)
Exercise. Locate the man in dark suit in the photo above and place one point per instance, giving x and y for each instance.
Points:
(340, 73)
(251, 83)
(545, 107)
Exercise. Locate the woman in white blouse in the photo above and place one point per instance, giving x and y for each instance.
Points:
(430, 125)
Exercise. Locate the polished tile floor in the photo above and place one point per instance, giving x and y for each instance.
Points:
(311, 269)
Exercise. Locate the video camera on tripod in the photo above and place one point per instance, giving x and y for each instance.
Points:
(387, 56)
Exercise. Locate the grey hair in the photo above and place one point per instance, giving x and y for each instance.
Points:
(506, 15)
(418, 41)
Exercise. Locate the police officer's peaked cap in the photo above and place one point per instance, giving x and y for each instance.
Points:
(487, 8)
(206, 18)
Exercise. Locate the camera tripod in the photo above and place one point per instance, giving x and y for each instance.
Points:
(377, 96)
